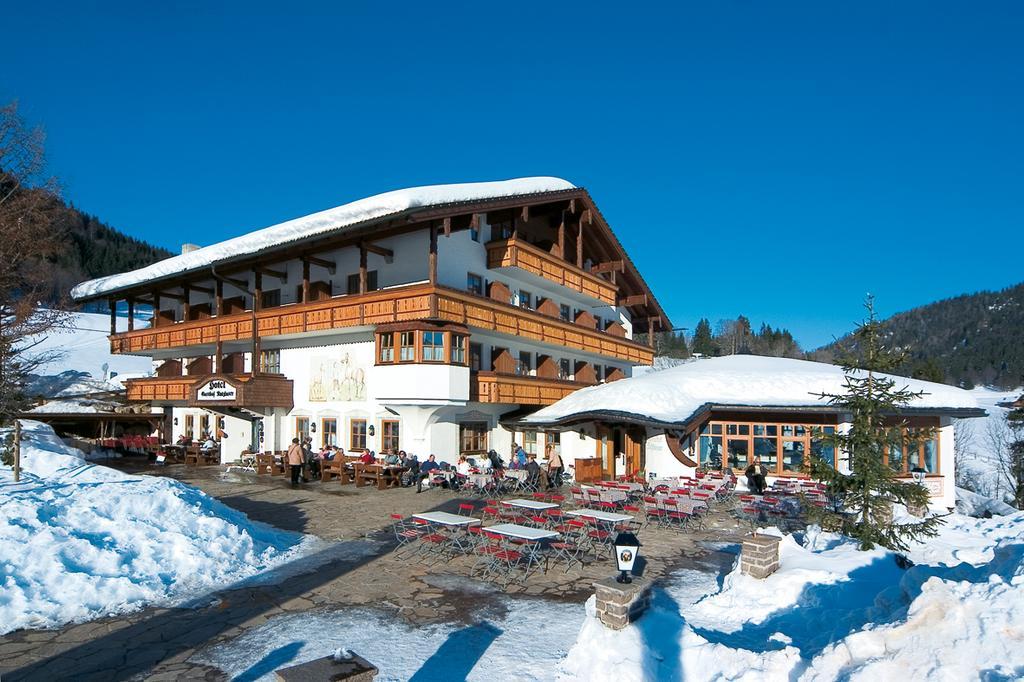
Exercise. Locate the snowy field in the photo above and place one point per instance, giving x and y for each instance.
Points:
(830, 612)
(981, 440)
(83, 347)
(79, 541)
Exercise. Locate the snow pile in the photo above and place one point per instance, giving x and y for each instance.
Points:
(832, 612)
(353, 213)
(79, 541)
(673, 395)
(972, 504)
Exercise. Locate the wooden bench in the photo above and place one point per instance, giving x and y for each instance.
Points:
(339, 467)
(381, 476)
(267, 463)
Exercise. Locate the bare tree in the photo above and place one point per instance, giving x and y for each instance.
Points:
(30, 216)
(998, 439)
(964, 456)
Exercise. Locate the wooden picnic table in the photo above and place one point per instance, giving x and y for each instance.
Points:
(382, 476)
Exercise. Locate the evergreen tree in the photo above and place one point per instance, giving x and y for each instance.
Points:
(865, 495)
(1014, 466)
(703, 342)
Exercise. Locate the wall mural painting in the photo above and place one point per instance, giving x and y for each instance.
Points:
(335, 379)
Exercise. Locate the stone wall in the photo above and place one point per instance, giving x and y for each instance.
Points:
(619, 604)
(760, 556)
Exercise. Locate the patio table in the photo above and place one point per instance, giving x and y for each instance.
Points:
(607, 517)
(514, 530)
(454, 522)
(530, 504)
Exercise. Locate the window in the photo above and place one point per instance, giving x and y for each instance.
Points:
(433, 347)
(554, 439)
(189, 426)
(387, 347)
(329, 432)
(793, 455)
(204, 425)
(598, 324)
(598, 373)
(389, 432)
(357, 434)
(501, 230)
(473, 437)
(738, 451)
(270, 299)
(302, 428)
(565, 312)
(270, 361)
(525, 299)
(476, 353)
(768, 450)
(475, 284)
(371, 282)
(826, 452)
(525, 363)
(474, 233)
(711, 451)
(458, 349)
(782, 448)
(530, 442)
(919, 449)
(407, 352)
(564, 369)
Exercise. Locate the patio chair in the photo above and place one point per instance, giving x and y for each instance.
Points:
(466, 509)
(405, 534)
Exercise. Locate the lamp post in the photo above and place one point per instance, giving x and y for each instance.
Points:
(626, 550)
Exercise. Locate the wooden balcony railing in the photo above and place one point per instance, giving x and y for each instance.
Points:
(516, 253)
(397, 304)
(214, 390)
(492, 387)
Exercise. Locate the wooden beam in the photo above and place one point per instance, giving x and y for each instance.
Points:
(474, 221)
(572, 206)
(587, 217)
(579, 246)
(525, 216)
(257, 290)
(131, 314)
(218, 299)
(176, 297)
(638, 300)
(362, 268)
(113, 316)
(561, 237)
(156, 308)
(279, 274)
(433, 255)
(447, 226)
(205, 290)
(186, 303)
(330, 265)
(610, 266)
(379, 250)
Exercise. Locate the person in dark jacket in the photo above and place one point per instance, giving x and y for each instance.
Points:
(496, 463)
(426, 469)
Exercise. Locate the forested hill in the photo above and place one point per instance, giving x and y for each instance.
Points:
(974, 339)
(94, 249)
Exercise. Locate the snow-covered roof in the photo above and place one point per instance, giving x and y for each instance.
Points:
(334, 219)
(675, 395)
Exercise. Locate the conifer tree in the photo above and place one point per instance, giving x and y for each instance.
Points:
(864, 497)
(703, 342)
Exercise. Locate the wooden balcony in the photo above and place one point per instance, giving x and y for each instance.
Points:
(492, 387)
(214, 390)
(397, 304)
(516, 253)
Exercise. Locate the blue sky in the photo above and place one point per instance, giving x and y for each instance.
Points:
(776, 159)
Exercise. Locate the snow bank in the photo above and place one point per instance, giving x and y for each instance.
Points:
(331, 220)
(972, 504)
(79, 541)
(676, 393)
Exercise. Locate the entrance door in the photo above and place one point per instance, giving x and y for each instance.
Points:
(635, 459)
(606, 450)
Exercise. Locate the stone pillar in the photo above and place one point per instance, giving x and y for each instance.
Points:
(883, 513)
(619, 604)
(918, 511)
(760, 555)
(351, 668)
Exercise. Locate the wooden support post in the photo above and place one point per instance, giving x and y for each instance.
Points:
(131, 314)
(433, 254)
(218, 357)
(561, 237)
(113, 317)
(186, 303)
(448, 226)
(219, 298)
(257, 294)
(305, 281)
(362, 268)
(579, 246)
(156, 308)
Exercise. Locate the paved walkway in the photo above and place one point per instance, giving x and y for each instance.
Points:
(356, 567)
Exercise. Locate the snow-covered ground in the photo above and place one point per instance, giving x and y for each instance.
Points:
(79, 541)
(830, 612)
(981, 440)
(82, 347)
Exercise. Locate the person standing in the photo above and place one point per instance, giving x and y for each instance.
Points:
(294, 457)
(555, 467)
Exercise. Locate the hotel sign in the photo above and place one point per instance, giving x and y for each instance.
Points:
(216, 390)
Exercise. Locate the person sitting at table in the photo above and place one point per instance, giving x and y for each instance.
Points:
(366, 457)
(392, 459)
(209, 445)
(425, 470)
(535, 476)
(462, 467)
(755, 473)
(518, 457)
(497, 465)
(184, 440)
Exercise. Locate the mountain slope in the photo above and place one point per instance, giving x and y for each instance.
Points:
(973, 339)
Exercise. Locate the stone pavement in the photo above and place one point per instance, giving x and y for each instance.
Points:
(357, 566)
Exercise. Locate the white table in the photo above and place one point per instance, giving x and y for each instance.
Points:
(518, 474)
(530, 504)
(609, 517)
(446, 519)
(513, 530)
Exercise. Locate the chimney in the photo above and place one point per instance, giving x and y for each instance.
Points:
(189, 248)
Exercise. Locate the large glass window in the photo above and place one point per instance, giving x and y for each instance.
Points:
(768, 450)
(357, 434)
(564, 369)
(530, 442)
(329, 431)
(476, 352)
(270, 361)
(301, 428)
(793, 455)
(407, 350)
(919, 449)
(739, 449)
(565, 312)
(525, 363)
(826, 452)
(458, 349)
(387, 347)
(525, 299)
(475, 284)
(189, 426)
(204, 425)
(473, 437)
(711, 451)
(433, 347)
(389, 439)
